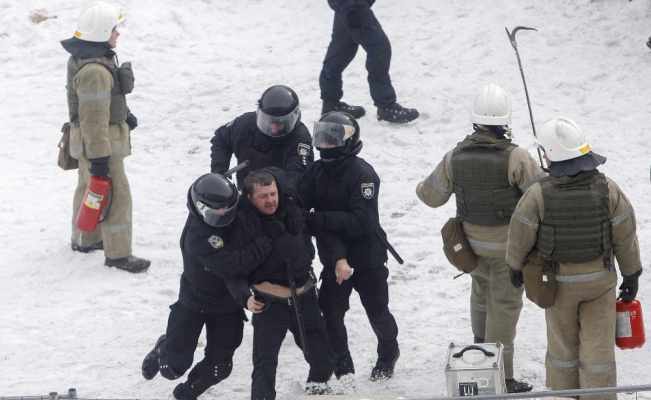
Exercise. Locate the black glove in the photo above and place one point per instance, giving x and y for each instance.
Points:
(516, 277)
(273, 228)
(132, 121)
(293, 216)
(628, 288)
(353, 20)
(315, 221)
(99, 167)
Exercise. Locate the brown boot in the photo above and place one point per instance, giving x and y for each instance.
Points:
(130, 264)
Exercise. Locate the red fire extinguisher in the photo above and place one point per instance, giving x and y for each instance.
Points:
(93, 203)
(629, 332)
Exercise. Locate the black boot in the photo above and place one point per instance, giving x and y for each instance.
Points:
(383, 369)
(355, 111)
(150, 364)
(97, 246)
(317, 389)
(344, 365)
(180, 393)
(513, 386)
(397, 114)
(130, 264)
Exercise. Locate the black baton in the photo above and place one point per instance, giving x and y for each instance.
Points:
(393, 251)
(235, 169)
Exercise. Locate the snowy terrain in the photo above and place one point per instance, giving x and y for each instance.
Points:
(68, 321)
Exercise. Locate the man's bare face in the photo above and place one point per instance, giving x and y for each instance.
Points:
(265, 198)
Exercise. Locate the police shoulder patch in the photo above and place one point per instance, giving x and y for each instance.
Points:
(368, 190)
(216, 242)
(303, 150)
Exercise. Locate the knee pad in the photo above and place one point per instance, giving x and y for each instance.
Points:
(212, 372)
(168, 372)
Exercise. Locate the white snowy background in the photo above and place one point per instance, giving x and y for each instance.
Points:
(68, 321)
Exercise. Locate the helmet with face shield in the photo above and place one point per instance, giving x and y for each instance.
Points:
(278, 111)
(215, 198)
(337, 132)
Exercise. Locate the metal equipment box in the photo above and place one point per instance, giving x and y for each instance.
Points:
(476, 369)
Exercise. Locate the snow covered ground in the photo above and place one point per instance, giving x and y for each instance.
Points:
(68, 321)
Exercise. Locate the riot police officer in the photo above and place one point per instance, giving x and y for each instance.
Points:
(343, 191)
(204, 299)
(272, 136)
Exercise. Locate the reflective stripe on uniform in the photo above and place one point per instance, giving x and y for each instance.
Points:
(116, 148)
(598, 368)
(116, 228)
(94, 96)
(620, 218)
(438, 186)
(76, 146)
(562, 364)
(536, 179)
(508, 348)
(487, 245)
(591, 277)
(523, 220)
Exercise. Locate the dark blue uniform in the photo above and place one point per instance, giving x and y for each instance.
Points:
(241, 136)
(344, 44)
(204, 299)
(348, 195)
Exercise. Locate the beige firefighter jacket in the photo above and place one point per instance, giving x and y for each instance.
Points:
(530, 210)
(95, 137)
(485, 241)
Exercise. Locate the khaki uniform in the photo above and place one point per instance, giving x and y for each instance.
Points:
(581, 323)
(494, 303)
(98, 129)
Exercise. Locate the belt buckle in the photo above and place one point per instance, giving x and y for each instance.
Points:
(289, 301)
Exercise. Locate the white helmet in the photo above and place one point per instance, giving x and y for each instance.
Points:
(561, 139)
(96, 22)
(491, 106)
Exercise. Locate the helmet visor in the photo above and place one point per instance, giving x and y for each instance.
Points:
(331, 134)
(216, 217)
(277, 126)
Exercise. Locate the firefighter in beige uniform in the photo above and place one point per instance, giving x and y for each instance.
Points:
(100, 130)
(578, 219)
(487, 174)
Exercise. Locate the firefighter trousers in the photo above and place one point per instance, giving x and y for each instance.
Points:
(495, 306)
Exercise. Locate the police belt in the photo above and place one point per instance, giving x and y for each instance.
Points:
(308, 288)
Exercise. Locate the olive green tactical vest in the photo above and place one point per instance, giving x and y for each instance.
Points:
(575, 227)
(481, 185)
(118, 101)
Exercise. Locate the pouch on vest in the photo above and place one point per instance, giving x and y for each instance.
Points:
(125, 75)
(456, 246)
(65, 161)
(539, 280)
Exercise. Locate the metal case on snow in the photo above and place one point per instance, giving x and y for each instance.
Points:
(476, 369)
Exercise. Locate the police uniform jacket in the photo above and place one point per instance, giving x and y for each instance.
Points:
(345, 6)
(209, 259)
(348, 195)
(241, 137)
(530, 212)
(436, 190)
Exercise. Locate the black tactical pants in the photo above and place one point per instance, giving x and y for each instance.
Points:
(223, 336)
(269, 330)
(342, 50)
(371, 284)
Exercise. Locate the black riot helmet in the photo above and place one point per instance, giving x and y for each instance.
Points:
(215, 198)
(340, 130)
(278, 111)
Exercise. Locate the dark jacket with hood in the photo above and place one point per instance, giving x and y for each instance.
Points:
(209, 257)
(291, 152)
(347, 193)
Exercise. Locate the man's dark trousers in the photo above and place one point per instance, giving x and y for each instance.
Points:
(371, 285)
(342, 49)
(269, 330)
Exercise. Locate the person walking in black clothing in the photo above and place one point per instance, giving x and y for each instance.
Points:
(272, 136)
(343, 191)
(204, 300)
(354, 25)
(274, 312)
